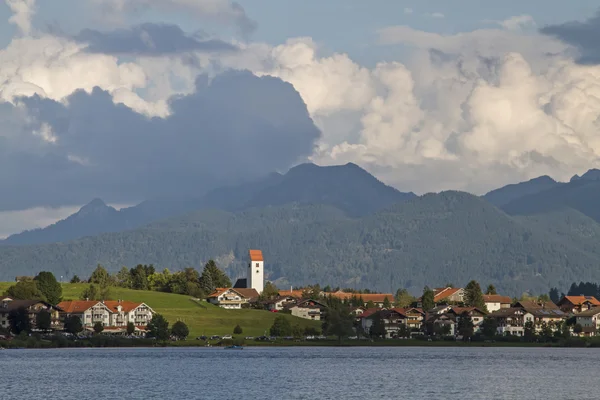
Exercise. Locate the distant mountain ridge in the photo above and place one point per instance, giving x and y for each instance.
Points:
(508, 193)
(432, 239)
(346, 187)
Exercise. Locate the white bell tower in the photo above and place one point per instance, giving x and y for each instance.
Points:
(256, 271)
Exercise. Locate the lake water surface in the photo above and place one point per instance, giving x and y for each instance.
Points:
(301, 373)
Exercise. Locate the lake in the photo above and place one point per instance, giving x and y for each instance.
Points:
(301, 373)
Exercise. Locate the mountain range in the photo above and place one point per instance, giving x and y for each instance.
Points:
(339, 225)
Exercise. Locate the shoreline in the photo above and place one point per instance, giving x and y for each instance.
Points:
(100, 342)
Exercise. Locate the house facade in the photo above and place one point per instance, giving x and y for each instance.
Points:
(511, 321)
(494, 302)
(280, 303)
(33, 307)
(308, 309)
(589, 321)
(231, 298)
(117, 313)
(577, 304)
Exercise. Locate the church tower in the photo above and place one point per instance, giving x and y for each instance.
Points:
(256, 271)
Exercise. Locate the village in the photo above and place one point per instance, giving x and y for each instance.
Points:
(447, 313)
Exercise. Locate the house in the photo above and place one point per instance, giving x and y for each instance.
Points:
(376, 298)
(280, 303)
(232, 298)
(511, 321)
(295, 293)
(589, 321)
(115, 314)
(449, 295)
(494, 302)
(477, 315)
(577, 304)
(308, 309)
(33, 307)
(544, 313)
(445, 296)
(441, 320)
(394, 320)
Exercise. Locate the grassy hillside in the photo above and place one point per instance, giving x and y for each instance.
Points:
(201, 317)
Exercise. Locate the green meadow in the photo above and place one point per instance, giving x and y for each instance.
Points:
(201, 317)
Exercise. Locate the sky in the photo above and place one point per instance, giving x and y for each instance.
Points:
(128, 100)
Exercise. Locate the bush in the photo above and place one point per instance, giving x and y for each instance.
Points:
(180, 330)
(237, 330)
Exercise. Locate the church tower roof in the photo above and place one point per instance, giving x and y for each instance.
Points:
(256, 255)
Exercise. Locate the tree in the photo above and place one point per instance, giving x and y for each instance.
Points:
(491, 289)
(473, 296)
(554, 296)
(48, 285)
(269, 292)
(312, 292)
(427, 300)
(180, 330)
(75, 279)
(73, 324)
(158, 328)
(139, 280)
(338, 322)
(489, 327)
(218, 279)
(566, 331)
(386, 302)
(297, 331)
(403, 331)
(370, 304)
(529, 330)
(403, 298)
(378, 326)
(130, 328)
(19, 321)
(43, 320)
(92, 292)
(281, 326)
(98, 327)
(465, 325)
(578, 329)
(123, 278)
(546, 330)
(543, 298)
(25, 290)
(237, 330)
(100, 276)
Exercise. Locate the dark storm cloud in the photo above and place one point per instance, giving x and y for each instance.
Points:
(149, 39)
(238, 126)
(583, 35)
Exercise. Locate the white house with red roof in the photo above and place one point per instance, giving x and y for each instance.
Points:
(232, 298)
(116, 313)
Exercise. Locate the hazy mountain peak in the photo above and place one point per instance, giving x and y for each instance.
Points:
(591, 175)
(504, 195)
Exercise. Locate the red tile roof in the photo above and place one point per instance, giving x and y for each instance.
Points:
(126, 306)
(76, 306)
(292, 293)
(579, 300)
(374, 297)
(256, 255)
(218, 292)
(496, 298)
(442, 293)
